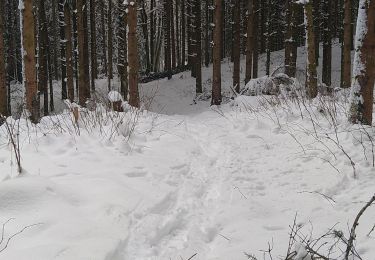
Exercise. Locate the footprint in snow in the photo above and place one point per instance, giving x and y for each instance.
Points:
(136, 174)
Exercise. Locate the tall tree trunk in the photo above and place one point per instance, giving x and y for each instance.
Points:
(86, 55)
(32, 95)
(206, 34)
(133, 55)
(152, 35)
(56, 40)
(178, 42)
(198, 46)
(183, 33)
(317, 24)
(104, 37)
(327, 43)
(64, 92)
(42, 57)
(69, 51)
(217, 39)
(75, 46)
(361, 101)
(291, 39)
(94, 63)
(84, 89)
(256, 39)
(268, 39)
(311, 73)
(173, 38)
(237, 46)
(167, 38)
(122, 50)
(347, 45)
(110, 45)
(145, 34)
(3, 84)
(249, 40)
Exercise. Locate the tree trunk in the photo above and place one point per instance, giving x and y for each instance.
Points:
(104, 37)
(83, 88)
(133, 55)
(311, 74)
(237, 46)
(256, 39)
(167, 39)
(198, 46)
(361, 100)
(64, 92)
(69, 52)
(173, 38)
(56, 40)
(347, 45)
(216, 84)
(249, 40)
(291, 39)
(207, 35)
(183, 33)
(42, 57)
(327, 43)
(268, 39)
(32, 95)
(3, 84)
(152, 35)
(178, 45)
(94, 63)
(122, 50)
(145, 34)
(110, 45)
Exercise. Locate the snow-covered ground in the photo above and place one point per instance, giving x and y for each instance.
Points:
(189, 179)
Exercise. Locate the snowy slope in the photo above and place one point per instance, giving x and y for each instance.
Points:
(216, 182)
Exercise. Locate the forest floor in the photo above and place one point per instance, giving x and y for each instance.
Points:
(188, 179)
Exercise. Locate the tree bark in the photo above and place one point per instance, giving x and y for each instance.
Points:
(32, 95)
(167, 39)
(110, 45)
(361, 103)
(291, 39)
(347, 45)
(3, 84)
(133, 55)
(237, 46)
(327, 43)
(311, 73)
(42, 57)
(83, 88)
(198, 47)
(217, 51)
(69, 51)
(64, 92)
(94, 63)
(249, 40)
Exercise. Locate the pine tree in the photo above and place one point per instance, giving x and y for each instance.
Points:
(249, 40)
(217, 51)
(237, 46)
(28, 43)
(69, 50)
(347, 45)
(361, 103)
(311, 73)
(133, 55)
(291, 39)
(3, 84)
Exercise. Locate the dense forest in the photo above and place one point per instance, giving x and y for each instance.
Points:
(77, 42)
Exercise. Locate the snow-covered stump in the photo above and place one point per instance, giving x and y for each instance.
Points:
(115, 100)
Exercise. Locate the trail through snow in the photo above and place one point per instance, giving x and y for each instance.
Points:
(215, 182)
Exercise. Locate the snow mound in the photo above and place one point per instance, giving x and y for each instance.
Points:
(114, 96)
(272, 85)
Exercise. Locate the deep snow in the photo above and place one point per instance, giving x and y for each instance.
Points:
(216, 182)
